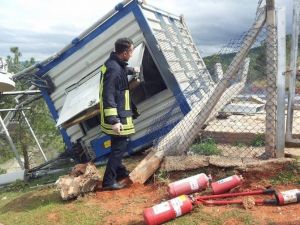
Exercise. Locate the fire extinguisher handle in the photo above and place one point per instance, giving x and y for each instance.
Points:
(269, 191)
(270, 202)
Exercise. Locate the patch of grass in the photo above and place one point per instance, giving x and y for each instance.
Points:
(206, 147)
(258, 141)
(240, 215)
(289, 175)
(25, 186)
(162, 177)
(198, 216)
(45, 207)
(240, 144)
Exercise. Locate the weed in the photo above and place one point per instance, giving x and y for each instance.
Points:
(162, 177)
(206, 147)
(290, 175)
(258, 141)
(240, 144)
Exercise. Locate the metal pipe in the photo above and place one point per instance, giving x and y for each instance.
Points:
(12, 145)
(33, 134)
(28, 92)
(8, 110)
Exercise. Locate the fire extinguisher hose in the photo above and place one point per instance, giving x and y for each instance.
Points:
(247, 193)
(236, 201)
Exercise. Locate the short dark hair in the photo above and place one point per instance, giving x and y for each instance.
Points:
(122, 45)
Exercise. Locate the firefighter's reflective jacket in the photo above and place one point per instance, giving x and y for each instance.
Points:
(115, 103)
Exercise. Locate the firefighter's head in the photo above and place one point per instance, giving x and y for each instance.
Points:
(124, 48)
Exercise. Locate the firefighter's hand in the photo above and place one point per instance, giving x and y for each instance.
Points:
(117, 127)
(136, 70)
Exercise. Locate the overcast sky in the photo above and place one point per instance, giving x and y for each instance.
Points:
(42, 27)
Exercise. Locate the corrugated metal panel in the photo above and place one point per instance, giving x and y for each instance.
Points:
(88, 59)
(182, 55)
(82, 96)
(85, 94)
(75, 133)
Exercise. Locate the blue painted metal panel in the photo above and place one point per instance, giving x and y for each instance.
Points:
(101, 151)
(101, 146)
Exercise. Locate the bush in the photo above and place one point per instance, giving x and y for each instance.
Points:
(258, 141)
(206, 147)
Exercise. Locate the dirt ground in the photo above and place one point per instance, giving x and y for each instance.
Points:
(126, 206)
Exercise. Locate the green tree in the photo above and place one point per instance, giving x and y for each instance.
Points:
(38, 116)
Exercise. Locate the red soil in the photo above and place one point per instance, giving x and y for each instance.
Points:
(126, 206)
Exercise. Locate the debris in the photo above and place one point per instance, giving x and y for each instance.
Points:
(189, 162)
(248, 202)
(82, 179)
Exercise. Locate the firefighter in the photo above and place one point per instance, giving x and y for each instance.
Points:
(117, 110)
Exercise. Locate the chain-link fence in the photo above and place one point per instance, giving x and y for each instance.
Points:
(237, 117)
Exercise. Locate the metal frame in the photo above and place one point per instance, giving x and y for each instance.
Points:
(11, 143)
(11, 112)
(292, 74)
(271, 71)
(280, 121)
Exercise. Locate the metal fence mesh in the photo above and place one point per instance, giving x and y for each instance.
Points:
(237, 116)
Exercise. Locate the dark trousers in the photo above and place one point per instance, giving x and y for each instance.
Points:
(114, 167)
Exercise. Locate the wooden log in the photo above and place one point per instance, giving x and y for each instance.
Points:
(185, 132)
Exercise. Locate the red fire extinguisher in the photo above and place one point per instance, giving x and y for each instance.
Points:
(168, 210)
(188, 185)
(224, 185)
(286, 197)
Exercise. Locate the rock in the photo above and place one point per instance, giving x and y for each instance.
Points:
(83, 178)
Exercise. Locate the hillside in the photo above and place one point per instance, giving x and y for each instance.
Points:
(257, 65)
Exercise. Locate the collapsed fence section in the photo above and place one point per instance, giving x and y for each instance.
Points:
(241, 122)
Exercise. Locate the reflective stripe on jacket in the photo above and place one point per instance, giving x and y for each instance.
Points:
(115, 103)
